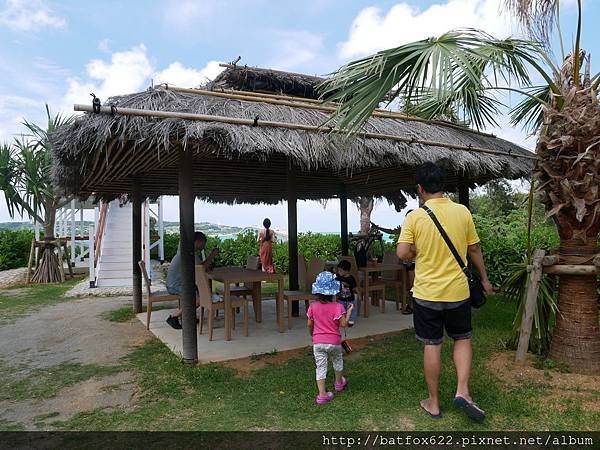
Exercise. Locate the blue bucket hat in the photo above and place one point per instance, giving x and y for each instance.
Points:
(326, 284)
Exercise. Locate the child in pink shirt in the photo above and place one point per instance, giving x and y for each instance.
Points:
(325, 317)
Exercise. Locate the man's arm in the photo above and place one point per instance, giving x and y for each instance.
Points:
(476, 257)
(406, 252)
(210, 258)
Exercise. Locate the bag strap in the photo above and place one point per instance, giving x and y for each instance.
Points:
(449, 243)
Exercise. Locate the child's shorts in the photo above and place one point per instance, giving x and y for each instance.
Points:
(322, 353)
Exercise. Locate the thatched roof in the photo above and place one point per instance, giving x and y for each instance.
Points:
(244, 78)
(101, 153)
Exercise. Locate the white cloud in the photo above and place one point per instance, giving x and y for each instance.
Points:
(128, 71)
(29, 15)
(295, 48)
(373, 29)
(178, 75)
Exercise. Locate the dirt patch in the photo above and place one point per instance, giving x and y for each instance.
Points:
(561, 386)
(246, 366)
(70, 332)
(110, 392)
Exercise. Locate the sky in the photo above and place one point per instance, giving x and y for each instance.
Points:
(58, 52)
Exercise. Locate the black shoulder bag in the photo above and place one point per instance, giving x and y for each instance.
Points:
(476, 291)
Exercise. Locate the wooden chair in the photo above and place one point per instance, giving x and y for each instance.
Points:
(155, 297)
(395, 281)
(207, 302)
(303, 294)
(374, 286)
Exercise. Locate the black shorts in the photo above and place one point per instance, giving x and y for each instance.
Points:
(430, 323)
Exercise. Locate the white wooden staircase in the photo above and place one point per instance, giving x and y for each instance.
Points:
(115, 261)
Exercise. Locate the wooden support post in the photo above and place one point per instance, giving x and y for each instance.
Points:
(550, 260)
(92, 256)
(571, 269)
(533, 286)
(68, 260)
(136, 234)
(61, 266)
(30, 263)
(188, 270)
(463, 195)
(292, 235)
(344, 220)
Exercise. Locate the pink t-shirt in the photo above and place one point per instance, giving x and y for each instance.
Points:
(326, 318)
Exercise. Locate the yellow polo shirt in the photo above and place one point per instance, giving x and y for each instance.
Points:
(437, 274)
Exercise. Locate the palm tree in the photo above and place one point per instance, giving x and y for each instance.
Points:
(463, 69)
(25, 178)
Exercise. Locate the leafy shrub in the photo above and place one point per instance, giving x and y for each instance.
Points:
(504, 241)
(14, 248)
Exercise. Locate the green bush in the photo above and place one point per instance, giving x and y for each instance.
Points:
(504, 241)
(14, 248)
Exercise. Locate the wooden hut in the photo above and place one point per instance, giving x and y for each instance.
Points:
(259, 136)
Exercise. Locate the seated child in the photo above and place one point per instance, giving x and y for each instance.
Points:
(325, 317)
(348, 289)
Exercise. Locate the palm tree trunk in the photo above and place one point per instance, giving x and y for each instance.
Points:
(576, 339)
(365, 205)
(49, 221)
(48, 269)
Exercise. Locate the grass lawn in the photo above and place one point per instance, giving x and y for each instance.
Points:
(386, 384)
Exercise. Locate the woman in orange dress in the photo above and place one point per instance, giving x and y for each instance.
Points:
(266, 237)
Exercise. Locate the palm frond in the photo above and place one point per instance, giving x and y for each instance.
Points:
(537, 16)
(458, 67)
(596, 81)
(530, 112)
(8, 178)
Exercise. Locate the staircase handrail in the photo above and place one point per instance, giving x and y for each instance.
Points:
(100, 232)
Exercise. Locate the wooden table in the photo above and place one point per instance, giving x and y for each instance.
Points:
(232, 275)
(367, 271)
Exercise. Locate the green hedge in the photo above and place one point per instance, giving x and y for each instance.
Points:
(14, 248)
(503, 241)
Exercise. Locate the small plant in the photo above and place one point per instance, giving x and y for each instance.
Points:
(547, 364)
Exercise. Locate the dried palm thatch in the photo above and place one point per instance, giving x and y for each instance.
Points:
(255, 79)
(101, 153)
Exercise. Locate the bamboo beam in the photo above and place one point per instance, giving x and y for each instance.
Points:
(289, 126)
(533, 287)
(319, 105)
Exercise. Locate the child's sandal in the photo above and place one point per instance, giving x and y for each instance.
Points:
(339, 387)
(321, 400)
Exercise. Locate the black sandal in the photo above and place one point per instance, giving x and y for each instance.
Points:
(470, 408)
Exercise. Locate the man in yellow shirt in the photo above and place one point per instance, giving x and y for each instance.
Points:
(441, 290)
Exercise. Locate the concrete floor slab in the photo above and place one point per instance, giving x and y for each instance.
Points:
(264, 337)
